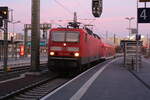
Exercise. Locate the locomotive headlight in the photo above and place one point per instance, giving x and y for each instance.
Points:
(52, 53)
(76, 54)
(64, 44)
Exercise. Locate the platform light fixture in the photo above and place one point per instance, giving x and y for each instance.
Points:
(129, 19)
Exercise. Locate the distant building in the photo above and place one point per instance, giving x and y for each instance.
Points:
(15, 36)
(117, 40)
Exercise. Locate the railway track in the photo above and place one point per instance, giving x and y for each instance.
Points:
(16, 67)
(37, 90)
(20, 69)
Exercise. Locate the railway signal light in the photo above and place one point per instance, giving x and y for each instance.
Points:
(4, 12)
(97, 6)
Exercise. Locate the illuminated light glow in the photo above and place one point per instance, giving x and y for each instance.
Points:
(64, 44)
(21, 50)
(5, 12)
(142, 36)
(76, 54)
(52, 53)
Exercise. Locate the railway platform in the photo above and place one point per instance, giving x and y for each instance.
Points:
(107, 81)
(14, 63)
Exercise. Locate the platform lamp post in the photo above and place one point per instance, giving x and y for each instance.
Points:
(137, 47)
(129, 19)
(11, 13)
(16, 22)
(12, 37)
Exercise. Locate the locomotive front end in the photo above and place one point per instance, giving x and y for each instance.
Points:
(64, 50)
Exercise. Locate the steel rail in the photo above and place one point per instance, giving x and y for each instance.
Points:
(27, 88)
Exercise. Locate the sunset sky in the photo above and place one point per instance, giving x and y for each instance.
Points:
(112, 20)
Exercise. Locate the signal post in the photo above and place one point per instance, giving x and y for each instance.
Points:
(4, 27)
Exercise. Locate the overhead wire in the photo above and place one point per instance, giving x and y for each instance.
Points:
(90, 20)
(79, 4)
(64, 7)
(70, 12)
(99, 33)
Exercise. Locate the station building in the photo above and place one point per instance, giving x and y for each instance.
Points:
(14, 42)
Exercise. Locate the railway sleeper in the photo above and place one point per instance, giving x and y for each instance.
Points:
(31, 95)
(44, 90)
(28, 97)
(41, 89)
(34, 93)
(20, 98)
(38, 92)
(42, 86)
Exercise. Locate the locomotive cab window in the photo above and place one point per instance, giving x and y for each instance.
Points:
(62, 36)
(58, 36)
(72, 37)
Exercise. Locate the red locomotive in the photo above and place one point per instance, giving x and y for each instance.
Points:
(70, 48)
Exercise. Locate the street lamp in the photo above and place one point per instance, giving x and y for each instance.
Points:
(15, 22)
(13, 33)
(129, 19)
(11, 12)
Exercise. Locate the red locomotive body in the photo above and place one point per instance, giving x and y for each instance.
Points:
(70, 48)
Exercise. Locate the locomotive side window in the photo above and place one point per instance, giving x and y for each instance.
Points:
(72, 37)
(58, 36)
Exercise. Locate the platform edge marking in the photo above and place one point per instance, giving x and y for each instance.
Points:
(53, 92)
(79, 94)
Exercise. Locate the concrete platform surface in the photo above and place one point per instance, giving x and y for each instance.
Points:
(106, 81)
